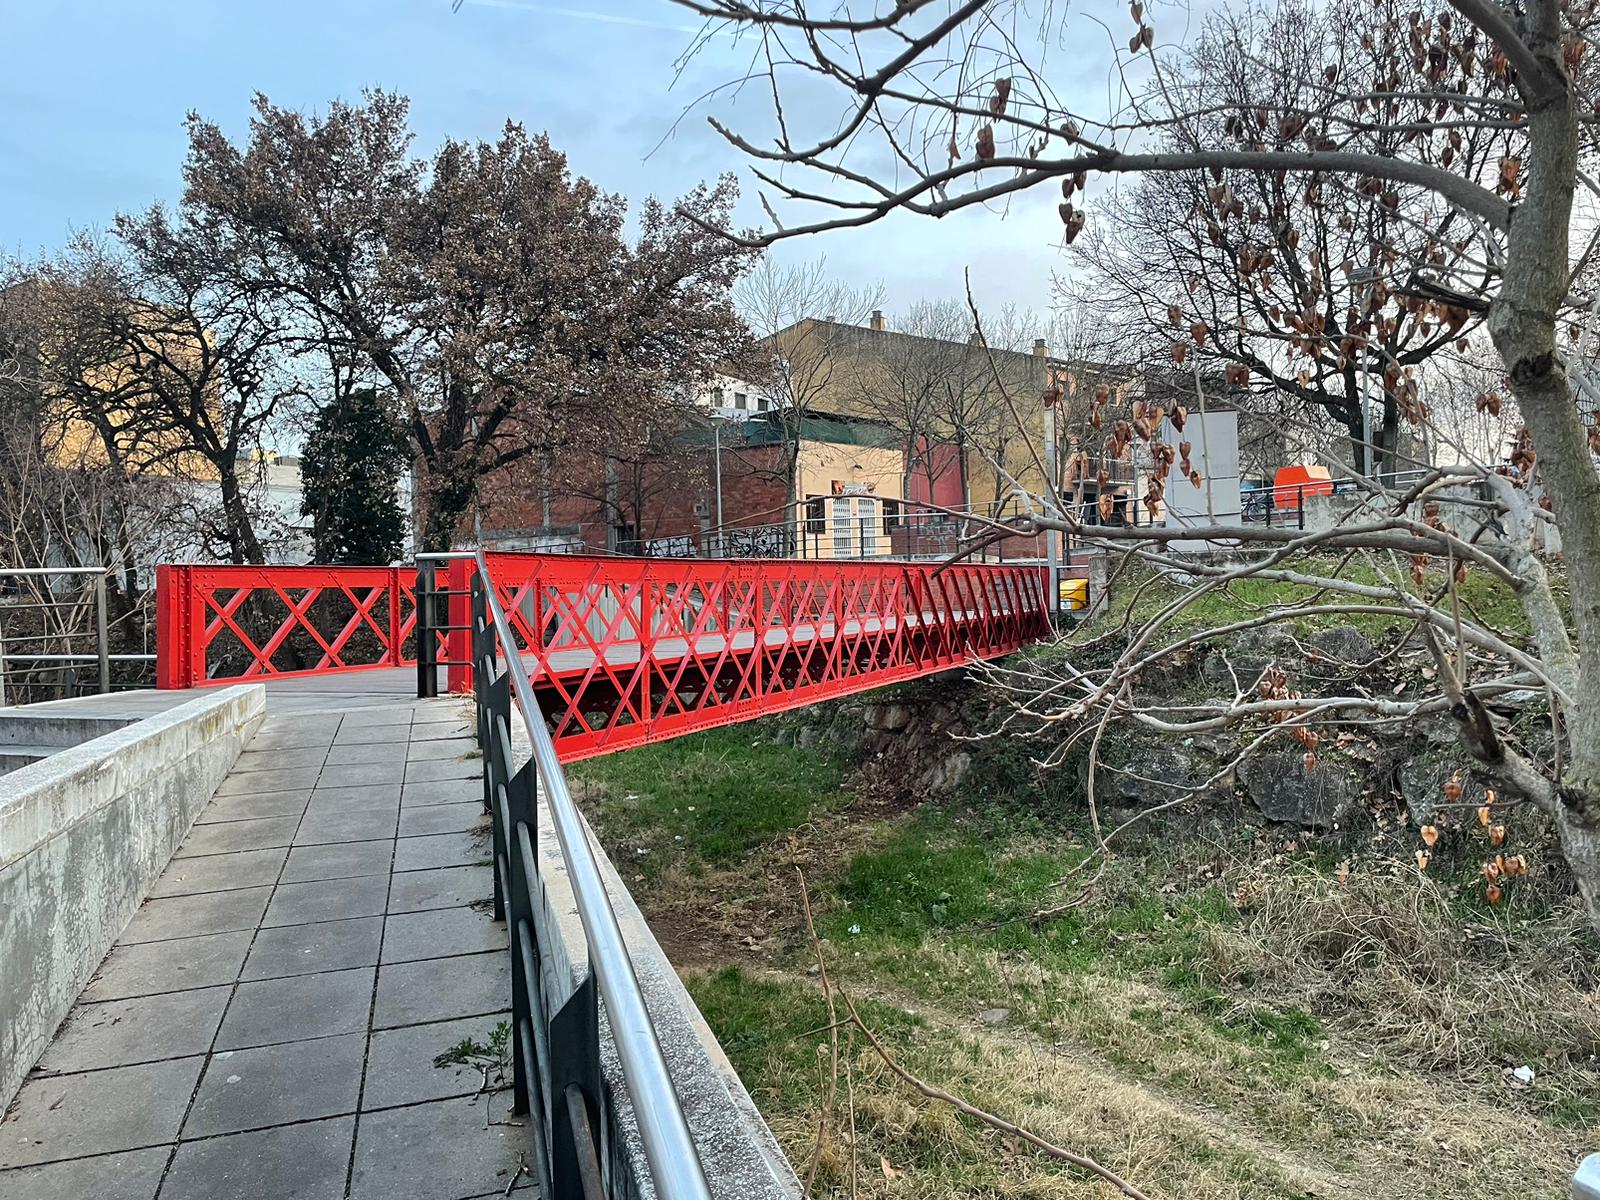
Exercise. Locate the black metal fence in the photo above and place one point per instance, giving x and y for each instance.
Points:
(556, 1067)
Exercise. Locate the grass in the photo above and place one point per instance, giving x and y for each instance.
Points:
(1218, 1021)
(707, 799)
(1490, 599)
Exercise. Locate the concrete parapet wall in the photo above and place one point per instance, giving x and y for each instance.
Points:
(742, 1159)
(83, 836)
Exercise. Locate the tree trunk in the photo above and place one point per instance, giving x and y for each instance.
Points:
(447, 502)
(1580, 846)
(1522, 322)
(238, 530)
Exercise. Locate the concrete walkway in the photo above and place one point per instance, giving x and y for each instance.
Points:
(269, 1023)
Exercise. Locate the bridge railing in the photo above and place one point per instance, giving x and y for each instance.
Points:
(627, 651)
(621, 650)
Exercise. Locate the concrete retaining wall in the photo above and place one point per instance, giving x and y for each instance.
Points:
(83, 836)
(742, 1159)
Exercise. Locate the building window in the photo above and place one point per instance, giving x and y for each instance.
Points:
(716, 397)
(891, 515)
(740, 399)
(761, 404)
(816, 515)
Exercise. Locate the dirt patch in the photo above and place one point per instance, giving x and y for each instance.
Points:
(749, 914)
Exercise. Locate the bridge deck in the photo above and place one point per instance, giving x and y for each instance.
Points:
(269, 1021)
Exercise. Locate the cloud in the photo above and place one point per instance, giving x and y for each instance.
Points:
(581, 14)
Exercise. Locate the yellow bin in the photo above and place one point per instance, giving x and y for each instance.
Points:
(1074, 594)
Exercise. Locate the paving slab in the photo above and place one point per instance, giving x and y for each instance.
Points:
(227, 836)
(356, 735)
(362, 774)
(358, 753)
(408, 937)
(131, 1176)
(448, 887)
(338, 860)
(441, 748)
(148, 968)
(388, 714)
(376, 796)
(281, 961)
(347, 825)
(192, 916)
(428, 731)
(327, 900)
(273, 1085)
(252, 783)
(308, 735)
(446, 791)
(442, 989)
(97, 1112)
(401, 1066)
(265, 1011)
(442, 850)
(279, 758)
(260, 804)
(309, 949)
(441, 1150)
(293, 1162)
(119, 1033)
(442, 818)
(435, 770)
(220, 872)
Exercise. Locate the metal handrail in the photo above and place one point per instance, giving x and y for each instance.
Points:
(663, 1129)
(101, 657)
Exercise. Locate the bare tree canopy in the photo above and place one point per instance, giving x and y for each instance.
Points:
(1375, 182)
(493, 294)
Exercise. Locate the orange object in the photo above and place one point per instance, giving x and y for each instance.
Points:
(1289, 484)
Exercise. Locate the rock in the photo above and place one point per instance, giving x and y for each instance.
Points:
(894, 718)
(807, 737)
(1345, 645)
(1278, 783)
(994, 1016)
(1160, 771)
(1249, 653)
(946, 774)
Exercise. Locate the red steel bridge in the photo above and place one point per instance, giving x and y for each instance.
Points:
(621, 651)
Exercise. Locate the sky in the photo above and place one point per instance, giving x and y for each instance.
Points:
(94, 94)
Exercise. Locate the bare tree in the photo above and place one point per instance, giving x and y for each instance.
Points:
(68, 498)
(963, 100)
(924, 380)
(799, 317)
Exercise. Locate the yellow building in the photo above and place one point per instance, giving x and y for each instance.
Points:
(99, 383)
(951, 407)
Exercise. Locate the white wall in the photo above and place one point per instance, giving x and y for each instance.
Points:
(1214, 452)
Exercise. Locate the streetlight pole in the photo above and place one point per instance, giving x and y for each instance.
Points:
(1052, 564)
(716, 443)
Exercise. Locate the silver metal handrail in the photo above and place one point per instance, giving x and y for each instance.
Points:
(663, 1129)
(101, 656)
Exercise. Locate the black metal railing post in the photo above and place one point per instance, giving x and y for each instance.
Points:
(519, 811)
(574, 1096)
(427, 640)
(1300, 504)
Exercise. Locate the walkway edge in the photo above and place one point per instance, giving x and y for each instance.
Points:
(83, 836)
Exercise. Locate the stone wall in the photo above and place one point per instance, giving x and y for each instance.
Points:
(83, 835)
